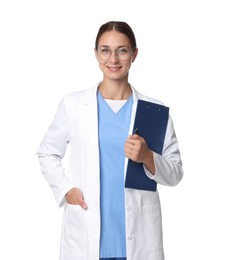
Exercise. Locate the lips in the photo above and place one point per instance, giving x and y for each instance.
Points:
(114, 69)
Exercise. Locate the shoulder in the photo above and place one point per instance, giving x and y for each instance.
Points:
(146, 98)
(73, 103)
(80, 96)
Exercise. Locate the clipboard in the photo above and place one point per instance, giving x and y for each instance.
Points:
(151, 123)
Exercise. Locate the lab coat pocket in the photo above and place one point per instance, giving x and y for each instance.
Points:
(75, 227)
(150, 225)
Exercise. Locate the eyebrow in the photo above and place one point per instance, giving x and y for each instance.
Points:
(120, 46)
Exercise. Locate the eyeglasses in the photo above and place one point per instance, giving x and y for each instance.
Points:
(123, 53)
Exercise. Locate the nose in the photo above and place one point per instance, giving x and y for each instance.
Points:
(114, 56)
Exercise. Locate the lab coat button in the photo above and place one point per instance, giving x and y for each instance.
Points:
(129, 208)
(130, 237)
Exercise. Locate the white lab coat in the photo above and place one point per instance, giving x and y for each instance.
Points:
(76, 124)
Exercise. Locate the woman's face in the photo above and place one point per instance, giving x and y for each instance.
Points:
(115, 55)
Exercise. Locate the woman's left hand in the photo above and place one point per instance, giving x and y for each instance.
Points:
(137, 150)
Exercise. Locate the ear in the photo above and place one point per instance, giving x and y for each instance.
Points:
(95, 51)
(134, 55)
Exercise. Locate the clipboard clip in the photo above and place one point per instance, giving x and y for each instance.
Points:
(136, 131)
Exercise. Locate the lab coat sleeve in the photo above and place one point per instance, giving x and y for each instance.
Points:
(168, 166)
(51, 152)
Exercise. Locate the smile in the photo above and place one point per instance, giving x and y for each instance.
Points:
(114, 68)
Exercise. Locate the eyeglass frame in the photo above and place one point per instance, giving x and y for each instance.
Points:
(115, 51)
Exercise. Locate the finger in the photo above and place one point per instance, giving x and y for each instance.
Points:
(82, 202)
(83, 205)
(133, 137)
(131, 141)
(128, 149)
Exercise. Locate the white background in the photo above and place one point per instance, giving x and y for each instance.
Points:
(185, 60)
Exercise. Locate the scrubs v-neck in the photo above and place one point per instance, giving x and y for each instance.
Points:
(113, 132)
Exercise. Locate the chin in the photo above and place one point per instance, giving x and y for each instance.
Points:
(117, 76)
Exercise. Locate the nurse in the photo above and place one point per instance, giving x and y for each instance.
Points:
(102, 218)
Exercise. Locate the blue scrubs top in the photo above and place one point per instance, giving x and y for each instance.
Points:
(113, 132)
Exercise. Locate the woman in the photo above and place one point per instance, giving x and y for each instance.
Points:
(103, 219)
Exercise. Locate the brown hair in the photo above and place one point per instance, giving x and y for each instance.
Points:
(121, 27)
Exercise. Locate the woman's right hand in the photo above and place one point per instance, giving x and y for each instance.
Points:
(75, 197)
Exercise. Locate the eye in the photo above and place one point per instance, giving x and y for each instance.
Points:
(104, 50)
(123, 50)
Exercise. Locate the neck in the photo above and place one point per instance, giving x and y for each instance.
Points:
(115, 91)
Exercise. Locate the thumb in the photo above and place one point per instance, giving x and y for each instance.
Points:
(83, 204)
